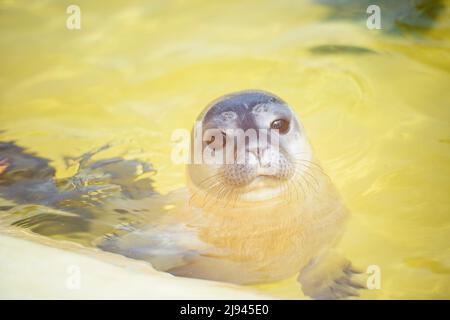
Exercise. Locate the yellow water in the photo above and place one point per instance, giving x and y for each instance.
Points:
(378, 118)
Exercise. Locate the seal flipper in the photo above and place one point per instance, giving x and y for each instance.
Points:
(330, 277)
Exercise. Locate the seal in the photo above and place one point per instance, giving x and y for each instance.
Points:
(273, 216)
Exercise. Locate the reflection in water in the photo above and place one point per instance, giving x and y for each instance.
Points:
(340, 49)
(397, 16)
(66, 206)
(375, 105)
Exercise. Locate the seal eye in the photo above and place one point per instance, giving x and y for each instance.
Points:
(281, 125)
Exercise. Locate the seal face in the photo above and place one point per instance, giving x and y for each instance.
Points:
(274, 148)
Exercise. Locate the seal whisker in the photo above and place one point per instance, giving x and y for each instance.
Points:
(286, 187)
(290, 191)
(222, 193)
(213, 177)
(283, 203)
(311, 164)
(221, 187)
(230, 195)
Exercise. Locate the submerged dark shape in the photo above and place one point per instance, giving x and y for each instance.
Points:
(284, 222)
(28, 179)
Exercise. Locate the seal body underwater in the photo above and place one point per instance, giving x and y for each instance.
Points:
(270, 217)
